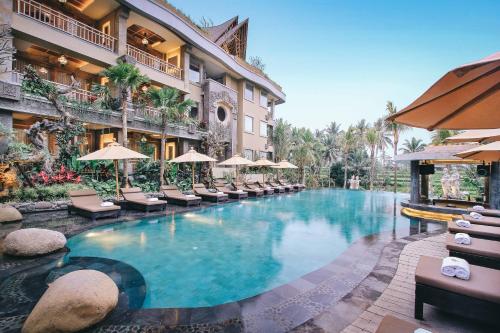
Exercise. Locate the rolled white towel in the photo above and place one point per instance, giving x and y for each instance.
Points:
(462, 238)
(220, 193)
(106, 204)
(458, 267)
(475, 215)
(269, 188)
(240, 191)
(463, 223)
(478, 207)
(190, 196)
(421, 330)
(153, 199)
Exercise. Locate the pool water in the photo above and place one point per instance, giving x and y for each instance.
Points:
(229, 252)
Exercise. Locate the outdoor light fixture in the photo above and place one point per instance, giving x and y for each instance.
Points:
(62, 1)
(144, 139)
(145, 40)
(43, 70)
(62, 60)
(144, 88)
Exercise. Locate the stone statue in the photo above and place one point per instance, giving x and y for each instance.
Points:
(357, 183)
(445, 183)
(351, 183)
(455, 183)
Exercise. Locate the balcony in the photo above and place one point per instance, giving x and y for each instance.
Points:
(57, 20)
(153, 62)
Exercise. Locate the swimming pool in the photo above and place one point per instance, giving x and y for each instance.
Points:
(226, 253)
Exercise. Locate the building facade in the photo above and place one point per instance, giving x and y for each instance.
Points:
(62, 39)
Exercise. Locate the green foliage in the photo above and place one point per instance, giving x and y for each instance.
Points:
(104, 100)
(68, 149)
(146, 175)
(45, 193)
(35, 85)
(179, 175)
(413, 145)
(19, 151)
(104, 188)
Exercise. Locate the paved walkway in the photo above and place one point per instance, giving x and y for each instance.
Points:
(399, 296)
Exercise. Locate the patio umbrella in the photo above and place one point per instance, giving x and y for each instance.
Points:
(284, 164)
(114, 151)
(489, 152)
(481, 136)
(262, 162)
(236, 161)
(192, 157)
(467, 97)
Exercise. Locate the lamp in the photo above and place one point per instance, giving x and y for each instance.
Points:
(62, 60)
(145, 41)
(62, 1)
(43, 70)
(144, 139)
(144, 89)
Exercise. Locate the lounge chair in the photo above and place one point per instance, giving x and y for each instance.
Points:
(277, 188)
(476, 230)
(268, 187)
(481, 252)
(135, 199)
(392, 324)
(287, 188)
(251, 192)
(222, 187)
(174, 196)
(486, 212)
(206, 195)
(256, 186)
(478, 297)
(88, 204)
(296, 186)
(485, 220)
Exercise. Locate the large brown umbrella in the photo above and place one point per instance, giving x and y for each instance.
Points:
(262, 162)
(192, 157)
(481, 136)
(489, 152)
(284, 164)
(467, 97)
(114, 151)
(236, 161)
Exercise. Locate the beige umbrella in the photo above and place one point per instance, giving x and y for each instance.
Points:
(237, 161)
(262, 162)
(192, 157)
(114, 151)
(489, 152)
(284, 164)
(467, 97)
(481, 136)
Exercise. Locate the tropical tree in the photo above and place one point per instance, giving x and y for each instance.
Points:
(413, 145)
(282, 139)
(305, 145)
(396, 129)
(438, 137)
(127, 79)
(168, 101)
(372, 139)
(330, 141)
(348, 143)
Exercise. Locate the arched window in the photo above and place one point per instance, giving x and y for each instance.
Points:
(221, 114)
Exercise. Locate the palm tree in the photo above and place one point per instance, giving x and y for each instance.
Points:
(282, 139)
(372, 139)
(167, 100)
(413, 145)
(438, 137)
(348, 142)
(305, 146)
(127, 79)
(396, 130)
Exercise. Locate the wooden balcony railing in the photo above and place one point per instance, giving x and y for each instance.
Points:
(59, 21)
(153, 62)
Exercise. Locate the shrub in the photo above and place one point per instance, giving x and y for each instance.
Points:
(45, 193)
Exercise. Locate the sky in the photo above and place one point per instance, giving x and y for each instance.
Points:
(343, 60)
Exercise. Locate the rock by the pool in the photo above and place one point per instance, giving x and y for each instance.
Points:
(33, 242)
(9, 214)
(73, 302)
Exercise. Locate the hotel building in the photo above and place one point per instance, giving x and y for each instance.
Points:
(80, 38)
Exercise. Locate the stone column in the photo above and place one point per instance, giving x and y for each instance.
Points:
(495, 185)
(185, 67)
(424, 186)
(6, 40)
(414, 182)
(122, 15)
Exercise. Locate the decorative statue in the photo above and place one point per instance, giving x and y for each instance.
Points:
(455, 183)
(357, 183)
(351, 183)
(445, 183)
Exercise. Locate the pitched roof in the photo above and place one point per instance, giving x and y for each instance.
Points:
(215, 32)
(436, 153)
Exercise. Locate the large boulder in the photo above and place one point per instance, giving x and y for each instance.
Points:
(9, 214)
(73, 302)
(33, 242)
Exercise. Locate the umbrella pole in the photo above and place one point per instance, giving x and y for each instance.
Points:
(192, 169)
(116, 180)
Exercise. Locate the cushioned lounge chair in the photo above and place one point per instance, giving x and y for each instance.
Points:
(206, 195)
(277, 188)
(296, 186)
(486, 212)
(288, 187)
(174, 196)
(485, 220)
(135, 199)
(264, 186)
(476, 230)
(256, 186)
(88, 204)
(285, 188)
(251, 192)
(391, 324)
(222, 187)
(481, 252)
(477, 298)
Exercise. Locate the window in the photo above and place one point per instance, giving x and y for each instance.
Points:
(263, 154)
(193, 113)
(263, 98)
(263, 129)
(248, 124)
(221, 114)
(106, 28)
(194, 73)
(248, 154)
(249, 91)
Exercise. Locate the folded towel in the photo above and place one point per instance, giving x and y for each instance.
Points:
(153, 199)
(455, 267)
(478, 207)
(463, 223)
(190, 196)
(421, 330)
(241, 191)
(475, 215)
(219, 193)
(462, 238)
(269, 188)
(106, 204)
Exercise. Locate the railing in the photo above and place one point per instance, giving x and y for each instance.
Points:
(59, 21)
(153, 62)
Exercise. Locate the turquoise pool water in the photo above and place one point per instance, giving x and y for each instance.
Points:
(226, 253)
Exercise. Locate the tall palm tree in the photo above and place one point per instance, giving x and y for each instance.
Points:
(167, 100)
(127, 79)
(305, 146)
(396, 130)
(413, 145)
(438, 137)
(372, 139)
(282, 139)
(348, 142)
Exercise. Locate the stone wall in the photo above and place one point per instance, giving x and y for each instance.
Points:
(40, 206)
